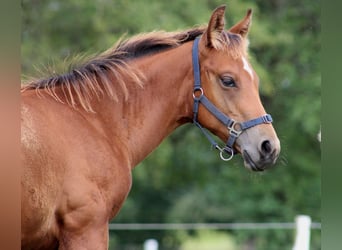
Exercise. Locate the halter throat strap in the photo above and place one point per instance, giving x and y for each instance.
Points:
(235, 128)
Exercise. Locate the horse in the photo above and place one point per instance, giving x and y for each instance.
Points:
(82, 132)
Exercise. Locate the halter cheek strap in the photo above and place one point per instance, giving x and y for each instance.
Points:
(235, 128)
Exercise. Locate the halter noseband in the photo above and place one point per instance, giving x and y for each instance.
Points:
(235, 128)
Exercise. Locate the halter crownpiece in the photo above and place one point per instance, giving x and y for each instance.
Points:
(235, 128)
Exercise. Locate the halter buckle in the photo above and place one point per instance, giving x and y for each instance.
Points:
(266, 119)
(235, 128)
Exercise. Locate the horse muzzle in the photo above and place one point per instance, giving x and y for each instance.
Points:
(262, 157)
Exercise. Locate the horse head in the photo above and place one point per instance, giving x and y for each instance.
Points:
(228, 88)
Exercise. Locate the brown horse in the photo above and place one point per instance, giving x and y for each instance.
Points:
(83, 132)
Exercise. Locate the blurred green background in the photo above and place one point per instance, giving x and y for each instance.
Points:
(184, 180)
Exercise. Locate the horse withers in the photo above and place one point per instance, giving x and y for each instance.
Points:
(84, 131)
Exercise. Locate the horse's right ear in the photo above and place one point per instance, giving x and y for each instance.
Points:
(215, 27)
(242, 27)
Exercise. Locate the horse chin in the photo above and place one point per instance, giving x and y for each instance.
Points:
(248, 160)
(252, 164)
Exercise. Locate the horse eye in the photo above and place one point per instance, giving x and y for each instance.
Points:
(228, 82)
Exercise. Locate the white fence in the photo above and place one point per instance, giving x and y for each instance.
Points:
(190, 226)
(302, 224)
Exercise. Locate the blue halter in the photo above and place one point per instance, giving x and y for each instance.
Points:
(235, 128)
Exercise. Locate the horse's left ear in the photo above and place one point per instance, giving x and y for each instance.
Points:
(215, 27)
(242, 27)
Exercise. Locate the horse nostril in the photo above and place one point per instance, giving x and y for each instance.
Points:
(266, 147)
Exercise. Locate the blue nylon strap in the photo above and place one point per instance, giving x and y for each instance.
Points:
(251, 123)
(195, 109)
(196, 65)
(207, 135)
(217, 113)
(231, 140)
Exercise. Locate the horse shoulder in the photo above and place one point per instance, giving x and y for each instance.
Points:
(68, 180)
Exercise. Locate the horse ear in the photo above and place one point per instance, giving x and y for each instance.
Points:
(242, 27)
(215, 27)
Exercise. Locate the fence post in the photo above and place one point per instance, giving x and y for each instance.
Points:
(302, 241)
(151, 244)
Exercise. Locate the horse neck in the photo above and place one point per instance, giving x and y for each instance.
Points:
(154, 111)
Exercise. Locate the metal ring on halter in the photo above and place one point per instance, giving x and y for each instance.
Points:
(201, 94)
(225, 150)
